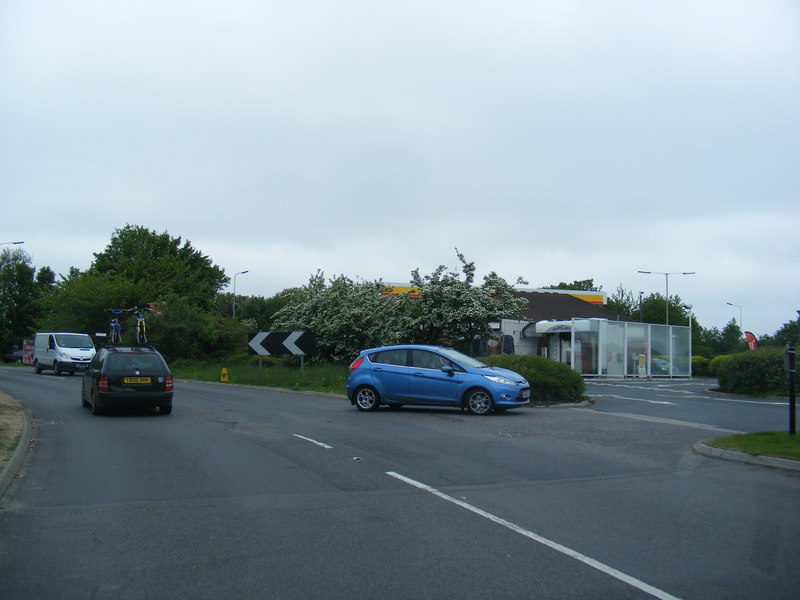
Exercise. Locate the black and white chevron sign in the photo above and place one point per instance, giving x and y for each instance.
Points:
(269, 343)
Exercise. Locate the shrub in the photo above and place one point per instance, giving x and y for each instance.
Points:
(551, 382)
(756, 372)
(701, 366)
(716, 363)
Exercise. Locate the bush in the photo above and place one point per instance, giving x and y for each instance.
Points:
(755, 372)
(184, 331)
(716, 364)
(551, 382)
(701, 366)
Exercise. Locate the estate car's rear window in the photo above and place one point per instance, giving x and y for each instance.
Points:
(135, 361)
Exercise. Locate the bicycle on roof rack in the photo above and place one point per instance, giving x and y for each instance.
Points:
(114, 327)
(140, 331)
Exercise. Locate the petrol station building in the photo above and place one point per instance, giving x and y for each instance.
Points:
(575, 328)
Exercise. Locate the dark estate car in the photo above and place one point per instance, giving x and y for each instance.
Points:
(127, 377)
(433, 376)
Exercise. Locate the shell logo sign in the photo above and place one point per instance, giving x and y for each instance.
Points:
(590, 297)
(398, 290)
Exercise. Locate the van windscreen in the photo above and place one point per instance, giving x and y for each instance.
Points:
(74, 340)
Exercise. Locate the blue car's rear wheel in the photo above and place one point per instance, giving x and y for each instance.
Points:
(367, 398)
(478, 402)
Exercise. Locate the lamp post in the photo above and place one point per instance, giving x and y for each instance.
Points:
(234, 290)
(666, 276)
(641, 311)
(740, 315)
(689, 308)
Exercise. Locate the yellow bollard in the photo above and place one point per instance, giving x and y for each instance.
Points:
(223, 377)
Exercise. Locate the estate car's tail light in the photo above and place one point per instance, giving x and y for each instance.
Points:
(102, 384)
(356, 363)
(168, 384)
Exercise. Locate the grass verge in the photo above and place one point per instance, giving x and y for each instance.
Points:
(316, 378)
(765, 443)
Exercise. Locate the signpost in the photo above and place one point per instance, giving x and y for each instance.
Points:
(271, 343)
(789, 363)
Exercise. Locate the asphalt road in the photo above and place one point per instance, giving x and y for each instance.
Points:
(245, 493)
(692, 402)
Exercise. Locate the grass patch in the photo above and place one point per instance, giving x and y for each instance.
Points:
(768, 443)
(274, 373)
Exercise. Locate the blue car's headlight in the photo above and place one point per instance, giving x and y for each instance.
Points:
(500, 379)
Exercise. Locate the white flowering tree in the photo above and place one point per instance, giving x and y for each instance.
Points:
(455, 312)
(345, 316)
(348, 316)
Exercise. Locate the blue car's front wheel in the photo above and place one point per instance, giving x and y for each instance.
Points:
(367, 398)
(478, 402)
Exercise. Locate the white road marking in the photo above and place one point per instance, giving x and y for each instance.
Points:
(308, 439)
(603, 568)
(666, 421)
(618, 397)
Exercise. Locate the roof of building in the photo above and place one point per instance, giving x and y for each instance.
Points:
(545, 306)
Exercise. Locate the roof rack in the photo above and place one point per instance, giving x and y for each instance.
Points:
(147, 346)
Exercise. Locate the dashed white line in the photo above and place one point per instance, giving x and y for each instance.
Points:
(595, 564)
(308, 439)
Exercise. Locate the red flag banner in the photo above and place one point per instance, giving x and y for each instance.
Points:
(751, 340)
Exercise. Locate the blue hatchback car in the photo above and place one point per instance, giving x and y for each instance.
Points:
(433, 376)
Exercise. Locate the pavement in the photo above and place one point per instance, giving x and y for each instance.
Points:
(11, 460)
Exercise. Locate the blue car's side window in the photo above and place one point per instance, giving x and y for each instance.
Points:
(389, 357)
(422, 359)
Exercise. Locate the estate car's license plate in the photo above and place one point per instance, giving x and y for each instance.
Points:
(526, 394)
(135, 380)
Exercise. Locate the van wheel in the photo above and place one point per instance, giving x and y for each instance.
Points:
(36, 367)
(56, 368)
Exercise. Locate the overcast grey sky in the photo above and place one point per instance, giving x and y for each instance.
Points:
(553, 140)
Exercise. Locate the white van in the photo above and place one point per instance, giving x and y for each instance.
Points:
(62, 352)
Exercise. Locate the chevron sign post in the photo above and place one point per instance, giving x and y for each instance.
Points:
(270, 343)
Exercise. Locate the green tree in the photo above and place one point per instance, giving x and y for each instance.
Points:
(261, 310)
(183, 330)
(137, 267)
(158, 265)
(624, 303)
(586, 285)
(19, 297)
(78, 302)
(727, 341)
(789, 333)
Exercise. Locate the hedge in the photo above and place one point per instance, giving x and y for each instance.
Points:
(701, 366)
(754, 372)
(551, 382)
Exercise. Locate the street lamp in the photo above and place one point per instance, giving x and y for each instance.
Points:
(641, 312)
(666, 275)
(234, 290)
(740, 315)
(689, 308)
